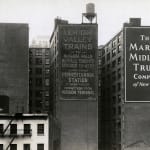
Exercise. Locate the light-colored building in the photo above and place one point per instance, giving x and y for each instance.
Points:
(24, 132)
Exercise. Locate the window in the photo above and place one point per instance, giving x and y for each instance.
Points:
(103, 69)
(103, 60)
(114, 111)
(119, 86)
(113, 88)
(113, 63)
(119, 39)
(30, 70)
(27, 129)
(40, 146)
(47, 70)
(114, 99)
(47, 82)
(99, 62)
(38, 93)
(113, 52)
(113, 76)
(47, 52)
(38, 82)
(38, 61)
(119, 60)
(46, 93)
(119, 48)
(119, 124)
(38, 70)
(13, 147)
(108, 56)
(30, 82)
(38, 52)
(114, 43)
(1, 128)
(119, 98)
(40, 128)
(47, 61)
(103, 51)
(108, 78)
(30, 61)
(1, 146)
(13, 129)
(108, 67)
(119, 73)
(26, 147)
(119, 110)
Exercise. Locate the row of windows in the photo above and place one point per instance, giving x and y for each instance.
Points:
(38, 61)
(25, 147)
(39, 52)
(112, 44)
(116, 75)
(39, 70)
(115, 88)
(114, 62)
(39, 93)
(39, 82)
(116, 99)
(27, 128)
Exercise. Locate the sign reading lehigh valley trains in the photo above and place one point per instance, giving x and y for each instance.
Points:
(78, 53)
(137, 66)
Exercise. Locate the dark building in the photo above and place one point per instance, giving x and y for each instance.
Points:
(73, 83)
(39, 64)
(4, 104)
(14, 76)
(123, 115)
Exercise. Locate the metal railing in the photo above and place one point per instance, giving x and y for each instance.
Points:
(18, 132)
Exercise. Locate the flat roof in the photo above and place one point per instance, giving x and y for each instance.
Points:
(19, 116)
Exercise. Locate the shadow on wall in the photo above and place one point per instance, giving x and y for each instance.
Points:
(4, 104)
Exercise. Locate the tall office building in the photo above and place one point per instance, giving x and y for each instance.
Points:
(14, 76)
(39, 79)
(73, 85)
(124, 106)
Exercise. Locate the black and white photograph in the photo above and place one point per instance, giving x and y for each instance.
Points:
(74, 75)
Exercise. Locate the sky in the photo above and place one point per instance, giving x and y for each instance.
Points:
(40, 14)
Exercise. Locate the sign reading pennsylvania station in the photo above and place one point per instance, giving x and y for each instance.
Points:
(137, 64)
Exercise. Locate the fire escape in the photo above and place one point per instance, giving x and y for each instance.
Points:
(12, 132)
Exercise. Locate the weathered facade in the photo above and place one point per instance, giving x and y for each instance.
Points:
(14, 78)
(124, 122)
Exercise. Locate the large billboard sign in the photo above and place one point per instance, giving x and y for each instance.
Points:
(78, 57)
(137, 64)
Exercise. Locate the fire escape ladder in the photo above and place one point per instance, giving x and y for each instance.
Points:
(8, 126)
(10, 142)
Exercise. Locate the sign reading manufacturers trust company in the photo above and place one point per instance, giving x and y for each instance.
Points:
(137, 64)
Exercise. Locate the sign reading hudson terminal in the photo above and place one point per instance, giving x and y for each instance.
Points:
(137, 66)
(78, 62)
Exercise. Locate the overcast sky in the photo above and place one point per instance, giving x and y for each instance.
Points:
(40, 14)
